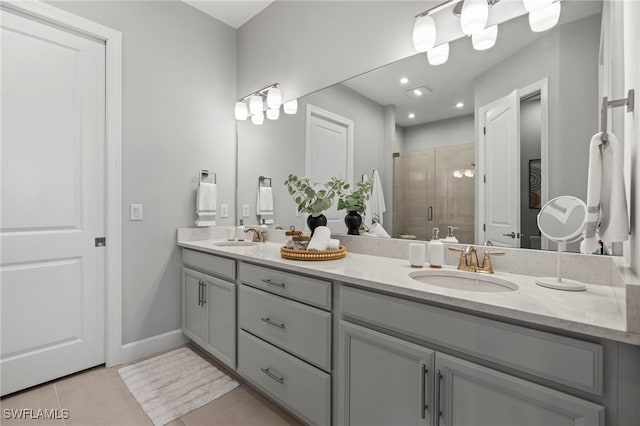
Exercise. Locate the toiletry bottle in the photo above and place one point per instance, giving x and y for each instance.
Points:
(450, 237)
(435, 251)
(240, 231)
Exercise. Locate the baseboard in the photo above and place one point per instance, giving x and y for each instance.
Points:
(149, 346)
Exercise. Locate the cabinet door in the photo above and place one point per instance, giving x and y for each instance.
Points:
(194, 320)
(221, 308)
(383, 380)
(469, 394)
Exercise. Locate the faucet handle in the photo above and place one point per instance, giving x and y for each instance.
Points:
(493, 253)
(463, 263)
(487, 266)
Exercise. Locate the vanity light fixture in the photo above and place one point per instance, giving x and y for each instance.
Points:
(485, 39)
(438, 55)
(274, 98)
(545, 18)
(424, 33)
(268, 99)
(256, 104)
(273, 113)
(533, 5)
(291, 107)
(257, 118)
(242, 112)
(457, 174)
(474, 16)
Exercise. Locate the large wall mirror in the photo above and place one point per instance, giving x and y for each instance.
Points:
(441, 137)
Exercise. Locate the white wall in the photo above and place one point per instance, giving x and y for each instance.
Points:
(179, 70)
(453, 131)
(276, 148)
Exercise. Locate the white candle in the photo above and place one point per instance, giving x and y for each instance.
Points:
(417, 254)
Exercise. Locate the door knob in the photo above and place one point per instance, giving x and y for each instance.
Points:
(512, 235)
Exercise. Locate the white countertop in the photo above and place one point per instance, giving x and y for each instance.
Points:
(594, 312)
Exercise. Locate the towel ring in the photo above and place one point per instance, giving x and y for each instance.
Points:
(629, 102)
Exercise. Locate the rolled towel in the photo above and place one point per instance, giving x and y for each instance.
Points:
(333, 244)
(320, 239)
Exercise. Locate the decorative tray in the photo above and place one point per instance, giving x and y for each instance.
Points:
(313, 255)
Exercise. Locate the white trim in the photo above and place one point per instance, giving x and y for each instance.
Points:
(113, 140)
(151, 345)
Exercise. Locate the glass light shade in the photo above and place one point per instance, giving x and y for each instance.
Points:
(469, 172)
(544, 19)
(474, 16)
(273, 113)
(439, 54)
(533, 5)
(274, 98)
(241, 111)
(257, 118)
(291, 107)
(256, 105)
(424, 33)
(485, 39)
(457, 174)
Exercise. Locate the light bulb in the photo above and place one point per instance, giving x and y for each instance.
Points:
(424, 33)
(274, 98)
(291, 107)
(438, 55)
(273, 113)
(257, 118)
(469, 172)
(457, 174)
(485, 39)
(256, 105)
(533, 5)
(474, 16)
(241, 111)
(544, 19)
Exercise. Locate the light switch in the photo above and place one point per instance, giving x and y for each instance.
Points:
(245, 210)
(136, 212)
(224, 210)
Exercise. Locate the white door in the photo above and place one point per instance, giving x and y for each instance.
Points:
(501, 140)
(53, 202)
(329, 153)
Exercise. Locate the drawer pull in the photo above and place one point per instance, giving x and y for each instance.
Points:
(273, 323)
(268, 281)
(273, 376)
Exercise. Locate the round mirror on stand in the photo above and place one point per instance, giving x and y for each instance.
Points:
(562, 220)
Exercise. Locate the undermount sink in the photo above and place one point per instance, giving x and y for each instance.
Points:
(461, 280)
(235, 244)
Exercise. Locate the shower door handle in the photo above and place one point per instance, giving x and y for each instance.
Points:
(430, 213)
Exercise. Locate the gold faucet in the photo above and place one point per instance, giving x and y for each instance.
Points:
(258, 236)
(469, 260)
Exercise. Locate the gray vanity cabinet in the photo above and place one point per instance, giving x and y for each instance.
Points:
(383, 380)
(194, 312)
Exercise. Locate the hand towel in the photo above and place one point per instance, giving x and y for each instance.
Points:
(366, 215)
(333, 244)
(377, 200)
(320, 239)
(206, 201)
(264, 203)
(607, 216)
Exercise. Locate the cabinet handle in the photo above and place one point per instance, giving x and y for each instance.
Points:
(273, 323)
(423, 392)
(437, 401)
(204, 293)
(430, 214)
(268, 281)
(200, 293)
(273, 376)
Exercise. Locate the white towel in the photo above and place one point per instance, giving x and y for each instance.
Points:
(366, 215)
(264, 203)
(607, 217)
(333, 244)
(377, 230)
(377, 200)
(206, 201)
(320, 239)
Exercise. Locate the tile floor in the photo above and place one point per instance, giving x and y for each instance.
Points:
(97, 397)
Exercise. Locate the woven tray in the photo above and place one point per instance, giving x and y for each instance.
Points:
(313, 255)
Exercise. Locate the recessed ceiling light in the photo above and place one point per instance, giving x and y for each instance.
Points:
(404, 80)
(459, 105)
(412, 115)
(417, 92)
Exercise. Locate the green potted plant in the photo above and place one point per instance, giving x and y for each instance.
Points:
(312, 198)
(354, 203)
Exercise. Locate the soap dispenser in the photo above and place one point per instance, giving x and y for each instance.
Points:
(435, 250)
(450, 237)
(240, 231)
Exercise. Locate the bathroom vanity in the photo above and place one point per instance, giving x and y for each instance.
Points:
(359, 342)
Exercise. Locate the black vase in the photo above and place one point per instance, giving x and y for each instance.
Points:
(353, 220)
(314, 221)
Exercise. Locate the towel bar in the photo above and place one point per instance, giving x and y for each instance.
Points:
(262, 181)
(205, 176)
(629, 102)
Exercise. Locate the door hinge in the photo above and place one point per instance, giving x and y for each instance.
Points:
(484, 178)
(101, 241)
(484, 227)
(484, 130)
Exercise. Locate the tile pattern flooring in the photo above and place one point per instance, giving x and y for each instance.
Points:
(97, 397)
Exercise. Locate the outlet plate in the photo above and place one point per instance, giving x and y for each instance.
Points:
(245, 210)
(136, 212)
(224, 210)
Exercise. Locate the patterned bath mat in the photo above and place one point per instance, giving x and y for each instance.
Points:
(170, 385)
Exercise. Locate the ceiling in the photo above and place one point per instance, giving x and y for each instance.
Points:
(233, 13)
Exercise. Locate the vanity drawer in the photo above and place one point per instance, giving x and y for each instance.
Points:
(304, 289)
(297, 328)
(303, 388)
(560, 359)
(210, 264)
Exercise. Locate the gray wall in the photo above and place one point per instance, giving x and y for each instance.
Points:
(276, 148)
(453, 131)
(179, 71)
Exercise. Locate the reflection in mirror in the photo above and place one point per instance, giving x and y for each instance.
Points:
(491, 137)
